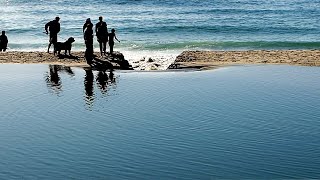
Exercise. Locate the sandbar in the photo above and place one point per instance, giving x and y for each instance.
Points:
(213, 59)
(187, 59)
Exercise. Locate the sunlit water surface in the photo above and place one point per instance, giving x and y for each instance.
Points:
(234, 122)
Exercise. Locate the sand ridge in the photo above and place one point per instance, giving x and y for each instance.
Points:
(187, 59)
(207, 59)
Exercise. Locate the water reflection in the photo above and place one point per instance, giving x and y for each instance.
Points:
(53, 79)
(104, 81)
(88, 86)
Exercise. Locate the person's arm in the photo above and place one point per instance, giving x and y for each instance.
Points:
(96, 29)
(58, 28)
(84, 26)
(46, 27)
(6, 40)
(116, 37)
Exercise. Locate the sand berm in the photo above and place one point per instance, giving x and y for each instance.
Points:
(187, 59)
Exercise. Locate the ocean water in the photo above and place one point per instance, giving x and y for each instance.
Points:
(162, 29)
(241, 122)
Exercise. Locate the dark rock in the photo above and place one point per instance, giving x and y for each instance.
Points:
(118, 59)
(111, 61)
(150, 60)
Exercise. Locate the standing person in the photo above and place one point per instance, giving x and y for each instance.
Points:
(3, 42)
(85, 25)
(54, 28)
(112, 36)
(102, 34)
(88, 39)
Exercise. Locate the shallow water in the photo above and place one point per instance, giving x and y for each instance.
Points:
(234, 122)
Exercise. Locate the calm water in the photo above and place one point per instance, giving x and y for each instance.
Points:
(162, 28)
(235, 122)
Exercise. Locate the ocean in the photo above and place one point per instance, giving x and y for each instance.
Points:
(162, 29)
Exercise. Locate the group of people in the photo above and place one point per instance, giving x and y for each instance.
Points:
(101, 31)
(103, 36)
(3, 41)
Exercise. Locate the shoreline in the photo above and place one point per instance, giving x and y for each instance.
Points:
(37, 57)
(213, 59)
(186, 60)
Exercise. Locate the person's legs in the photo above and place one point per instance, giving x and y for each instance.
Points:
(111, 47)
(104, 47)
(53, 39)
(49, 47)
(100, 44)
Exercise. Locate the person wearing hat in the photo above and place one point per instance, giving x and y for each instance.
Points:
(54, 28)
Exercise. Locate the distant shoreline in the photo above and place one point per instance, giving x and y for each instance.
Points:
(187, 59)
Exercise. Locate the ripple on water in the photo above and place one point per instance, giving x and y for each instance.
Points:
(237, 122)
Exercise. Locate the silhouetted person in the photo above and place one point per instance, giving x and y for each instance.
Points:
(112, 36)
(85, 25)
(3, 42)
(102, 34)
(54, 29)
(88, 39)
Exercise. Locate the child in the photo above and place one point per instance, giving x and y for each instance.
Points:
(112, 36)
(3, 42)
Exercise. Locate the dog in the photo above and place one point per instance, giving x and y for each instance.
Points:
(66, 46)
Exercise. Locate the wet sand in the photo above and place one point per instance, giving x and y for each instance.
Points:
(213, 59)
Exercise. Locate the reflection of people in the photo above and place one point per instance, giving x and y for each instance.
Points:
(111, 76)
(53, 79)
(112, 36)
(54, 29)
(88, 86)
(3, 42)
(102, 81)
(102, 34)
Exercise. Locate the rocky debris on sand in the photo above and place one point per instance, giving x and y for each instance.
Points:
(76, 59)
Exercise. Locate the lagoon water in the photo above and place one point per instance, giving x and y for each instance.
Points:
(234, 122)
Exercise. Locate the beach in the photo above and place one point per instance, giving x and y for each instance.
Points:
(211, 59)
(77, 58)
(187, 59)
(193, 89)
